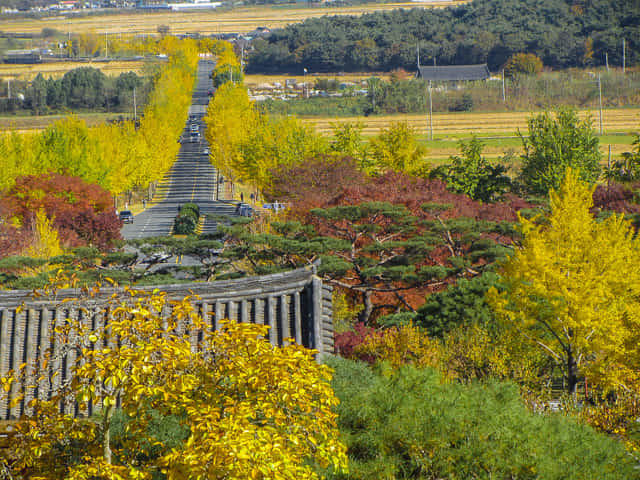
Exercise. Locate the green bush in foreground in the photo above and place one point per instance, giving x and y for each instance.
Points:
(191, 209)
(184, 225)
(408, 424)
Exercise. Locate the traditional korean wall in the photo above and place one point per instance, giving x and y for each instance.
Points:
(295, 304)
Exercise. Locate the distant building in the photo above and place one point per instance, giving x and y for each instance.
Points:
(22, 56)
(259, 32)
(194, 6)
(453, 73)
(68, 4)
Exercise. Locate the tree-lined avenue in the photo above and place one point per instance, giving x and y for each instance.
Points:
(192, 177)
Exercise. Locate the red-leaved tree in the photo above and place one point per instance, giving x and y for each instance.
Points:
(82, 213)
(389, 240)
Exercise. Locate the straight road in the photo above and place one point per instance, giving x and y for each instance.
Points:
(192, 177)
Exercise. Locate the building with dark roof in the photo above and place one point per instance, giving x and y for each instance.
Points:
(22, 56)
(453, 73)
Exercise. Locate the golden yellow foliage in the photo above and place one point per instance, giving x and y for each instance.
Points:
(230, 117)
(252, 410)
(573, 290)
(473, 353)
(401, 346)
(45, 243)
(118, 157)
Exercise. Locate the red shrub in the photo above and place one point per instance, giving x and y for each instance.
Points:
(347, 341)
(615, 197)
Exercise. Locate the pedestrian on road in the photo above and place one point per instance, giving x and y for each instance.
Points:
(144, 204)
(252, 197)
(241, 197)
(179, 208)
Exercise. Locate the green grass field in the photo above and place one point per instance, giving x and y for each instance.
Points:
(499, 130)
(440, 150)
(31, 123)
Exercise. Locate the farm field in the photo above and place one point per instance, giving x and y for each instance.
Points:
(499, 130)
(210, 21)
(439, 150)
(58, 69)
(32, 123)
(494, 123)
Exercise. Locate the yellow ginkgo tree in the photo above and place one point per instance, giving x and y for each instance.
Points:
(573, 290)
(251, 410)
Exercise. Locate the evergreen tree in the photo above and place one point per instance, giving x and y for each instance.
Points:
(553, 145)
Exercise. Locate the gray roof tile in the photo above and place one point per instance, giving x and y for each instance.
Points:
(454, 72)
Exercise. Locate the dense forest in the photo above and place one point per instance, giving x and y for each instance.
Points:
(80, 88)
(563, 33)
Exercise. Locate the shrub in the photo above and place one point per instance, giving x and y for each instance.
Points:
(615, 197)
(462, 104)
(346, 342)
(461, 304)
(410, 424)
(399, 346)
(184, 225)
(191, 209)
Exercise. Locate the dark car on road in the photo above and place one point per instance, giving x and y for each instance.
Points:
(244, 210)
(126, 216)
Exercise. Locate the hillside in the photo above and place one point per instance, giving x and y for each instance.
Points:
(565, 33)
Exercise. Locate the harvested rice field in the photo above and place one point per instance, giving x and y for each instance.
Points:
(237, 20)
(33, 123)
(58, 69)
(483, 124)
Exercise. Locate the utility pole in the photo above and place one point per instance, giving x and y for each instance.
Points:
(504, 91)
(305, 90)
(624, 56)
(600, 100)
(373, 96)
(606, 60)
(135, 107)
(430, 112)
(242, 57)
(609, 169)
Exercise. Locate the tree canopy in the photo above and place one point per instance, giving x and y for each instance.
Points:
(572, 290)
(562, 33)
(246, 409)
(82, 213)
(553, 145)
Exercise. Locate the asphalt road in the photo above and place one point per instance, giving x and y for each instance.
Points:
(192, 177)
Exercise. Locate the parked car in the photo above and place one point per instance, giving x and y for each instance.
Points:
(194, 127)
(244, 210)
(126, 216)
(275, 206)
(206, 151)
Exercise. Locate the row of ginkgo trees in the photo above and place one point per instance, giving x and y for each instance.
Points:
(118, 156)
